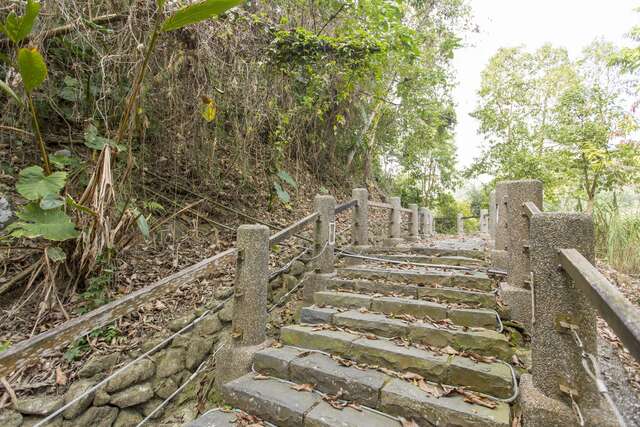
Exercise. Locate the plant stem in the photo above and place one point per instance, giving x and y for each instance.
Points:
(38, 134)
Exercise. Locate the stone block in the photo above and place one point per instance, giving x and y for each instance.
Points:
(473, 317)
(196, 352)
(128, 418)
(209, 325)
(234, 361)
(342, 299)
(417, 308)
(102, 416)
(336, 342)
(325, 415)
(98, 364)
(132, 396)
(500, 260)
(316, 315)
(10, 418)
(135, 373)
(169, 362)
(275, 361)
(41, 405)
(76, 389)
(518, 300)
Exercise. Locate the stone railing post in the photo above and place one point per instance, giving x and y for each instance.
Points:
(484, 221)
(360, 218)
(492, 215)
(432, 224)
(560, 309)
(395, 224)
(460, 224)
(325, 233)
(414, 225)
(424, 222)
(249, 303)
(499, 255)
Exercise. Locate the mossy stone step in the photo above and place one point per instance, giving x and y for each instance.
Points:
(435, 250)
(459, 261)
(475, 299)
(376, 389)
(481, 318)
(491, 378)
(277, 402)
(468, 279)
(481, 341)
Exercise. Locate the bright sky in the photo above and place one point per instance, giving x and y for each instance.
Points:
(531, 23)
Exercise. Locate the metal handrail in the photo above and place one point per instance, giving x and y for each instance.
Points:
(619, 313)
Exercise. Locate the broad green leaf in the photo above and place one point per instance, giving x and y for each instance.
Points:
(51, 224)
(56, 254)
(51, 201)
(284, 175)
(32, 68)
(17, 28)
(6, 89)
(4, 345)
(61, 161)
(282, 194)
(209, 111)
(160, 4)
(143, 226)
(197, 12)
(97, 142)
(33, 184)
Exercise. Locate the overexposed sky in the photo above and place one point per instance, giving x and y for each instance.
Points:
(506, 23)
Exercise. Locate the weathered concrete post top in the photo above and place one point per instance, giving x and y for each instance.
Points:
(325, 233)
(484, 221)
(499, 255)
(414, 225)
(360, 218)
(460, 224)
(249, 317)
(563, 318)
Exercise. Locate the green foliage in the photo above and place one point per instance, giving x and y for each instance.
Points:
(196, 12)
(56, 254)
(618, 236)
(96, 293)
(94, 141)
(76, 350)
(6, 89)
(108, 333)
(51, 224)
(4, 345)
(284, 176)
(32, 68)
(18, 28)
(33, 184)
(282, 194)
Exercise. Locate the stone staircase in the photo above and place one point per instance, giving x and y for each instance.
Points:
(387, 345)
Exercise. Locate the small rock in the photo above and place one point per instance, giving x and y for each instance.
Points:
(223, 292)
(181, 341)
(176, 324)
(98, 364)
(5, 212)
(152, 343)
(43, 405)
(132, 396)
(77, 389)
(102, 416)
(289, 281)
(136, 373)
(275, 283)
(163, 387)
(226, 314)
(208, 326)
(180, 377)
(297, 268)
(150, 406)
(128, 418)
(197, 352)
(171, 361)
(101, 398)
(10, 418)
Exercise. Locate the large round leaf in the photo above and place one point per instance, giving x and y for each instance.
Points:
(197, 12)
(34, 184)
(31, 67)
(52, 224)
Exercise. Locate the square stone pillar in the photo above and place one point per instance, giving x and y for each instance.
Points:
(556, 358)
(249, 304)
(414, 225)
(360, 218)
(484, 221)
(424, 222)
(492, 215)
(432, 224)
(460, 224)
(324, 241)
(499, 257)
(395, 225)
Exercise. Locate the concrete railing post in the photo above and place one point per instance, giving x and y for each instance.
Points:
(499, 254)
(492, 215)
(360, 218)
(424, 222)
(460, 224)
(432, 224)
(249, 318)
(325, 233)
(562, 313)
(484, 221)
(395, 224)
(414, 225)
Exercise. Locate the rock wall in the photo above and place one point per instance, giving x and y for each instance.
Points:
(133, 394)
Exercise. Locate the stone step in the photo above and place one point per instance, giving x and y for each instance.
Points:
(480, 318)
(491, 378)
(438, 251)
(277, 402)
(479, 340)
(215, 418)
(473, 299)
(375, 389)
(426, 277)
(459, 261)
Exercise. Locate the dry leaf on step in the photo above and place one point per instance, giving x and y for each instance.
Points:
(302, 387)
(408, 423)
(61, 378)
